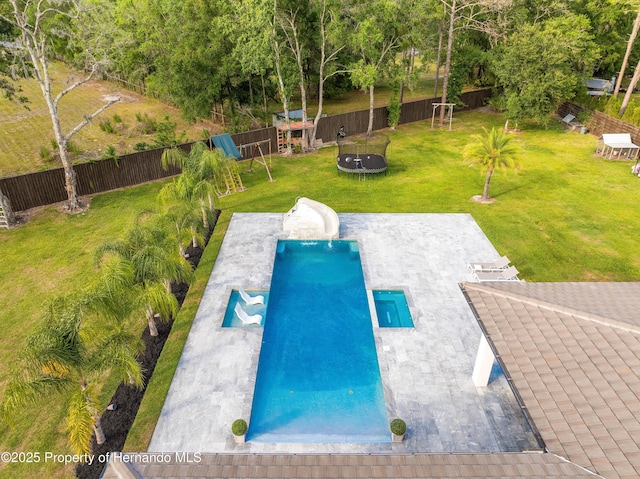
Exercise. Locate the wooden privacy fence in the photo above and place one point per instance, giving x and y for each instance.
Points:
(600, 123)
(48, 187)
(356, 122)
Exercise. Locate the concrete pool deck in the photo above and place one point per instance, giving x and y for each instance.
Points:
(426, 371)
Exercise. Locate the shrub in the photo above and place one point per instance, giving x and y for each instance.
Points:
(141, 146)
(73, 148)
(106, 126)
(239, 427)
(146, 124)
(394, 106)
(398, 427)
(166, 134)
(110, 154)
(45, 154)
(117, 118)
(612, 108)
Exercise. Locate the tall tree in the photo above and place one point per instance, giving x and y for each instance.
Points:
(625, 60)
(629, 92)
(373, 41)
(283, 73)
(565, 54)
(452, 12)
(491, 151)
(37, 24)
(253, 50)
(476, 15)
(330, 35)
(292, 26)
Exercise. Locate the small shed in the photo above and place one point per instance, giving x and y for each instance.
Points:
(617, 145)
(600, 86)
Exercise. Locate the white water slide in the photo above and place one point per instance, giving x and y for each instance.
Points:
(309, 219)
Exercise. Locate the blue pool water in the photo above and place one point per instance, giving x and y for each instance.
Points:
(392, 309)
(318, 377)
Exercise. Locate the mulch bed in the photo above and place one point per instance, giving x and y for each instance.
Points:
(116, 424)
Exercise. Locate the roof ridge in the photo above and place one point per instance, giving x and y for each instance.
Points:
(594, 318)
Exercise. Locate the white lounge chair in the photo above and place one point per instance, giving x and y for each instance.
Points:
(497, 265)
(246, 318)
(508, 274)
(250, 299)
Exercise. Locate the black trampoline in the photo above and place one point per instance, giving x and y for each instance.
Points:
(362, 155)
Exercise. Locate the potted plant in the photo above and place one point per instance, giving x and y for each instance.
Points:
(398, 429)
(239, 430)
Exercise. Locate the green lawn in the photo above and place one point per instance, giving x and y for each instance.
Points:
(566, 216)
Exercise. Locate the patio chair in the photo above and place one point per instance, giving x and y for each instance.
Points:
(259, 299)
(497, 265)
(246, 318)
(508, 274)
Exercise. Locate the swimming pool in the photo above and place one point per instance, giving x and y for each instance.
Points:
(318, 376)
(392, 309)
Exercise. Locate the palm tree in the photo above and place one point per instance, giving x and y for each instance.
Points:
(183, 219)
(202, 172)
(491, 150)
(65, 354)
(156, 263)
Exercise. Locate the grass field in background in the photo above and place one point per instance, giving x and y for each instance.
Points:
(25, 131)
(565, 216)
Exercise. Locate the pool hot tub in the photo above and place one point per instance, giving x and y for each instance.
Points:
(392, 309)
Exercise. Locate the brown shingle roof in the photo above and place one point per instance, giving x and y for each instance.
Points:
(573, 353)
(297, 466)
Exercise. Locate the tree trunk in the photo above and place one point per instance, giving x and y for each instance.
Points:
(485, 191)
(440, 33)
(283, 91)
(447, 64)
(370, 126)
(323, 61)
(97, 428)
(627, 95)
(264, 95)
(69, 172)
(632, 39)
(205, 220)
(153, 330)
(314, 130)
(296, 49)
(404, 58)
